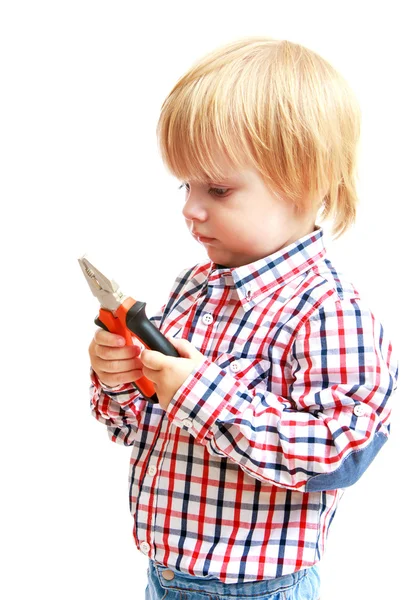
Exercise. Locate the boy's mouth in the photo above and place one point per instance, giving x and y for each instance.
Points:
(202, 238)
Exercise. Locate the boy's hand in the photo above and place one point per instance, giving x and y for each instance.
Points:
(168, 373)
(112, 360)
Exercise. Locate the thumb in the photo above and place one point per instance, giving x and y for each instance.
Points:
(185, 348)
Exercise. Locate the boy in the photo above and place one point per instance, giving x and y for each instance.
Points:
(280, 397)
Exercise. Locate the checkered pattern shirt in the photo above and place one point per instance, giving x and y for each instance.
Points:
(241, 476)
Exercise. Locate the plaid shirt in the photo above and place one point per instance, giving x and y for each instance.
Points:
(241, 476)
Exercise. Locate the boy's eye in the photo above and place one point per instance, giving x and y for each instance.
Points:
(214, 191)
(218, 192)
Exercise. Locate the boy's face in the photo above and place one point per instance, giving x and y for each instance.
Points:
(239, 220)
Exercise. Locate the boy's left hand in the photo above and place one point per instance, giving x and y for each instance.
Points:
(167, 372)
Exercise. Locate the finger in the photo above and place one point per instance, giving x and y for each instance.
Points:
(117, 366)
(112, 353)
(153, 360)
(119, 378)
(99, 355)
(106, 338)
(184, 348)
(152, 375)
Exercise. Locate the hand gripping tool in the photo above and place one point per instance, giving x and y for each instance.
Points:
(125, 316)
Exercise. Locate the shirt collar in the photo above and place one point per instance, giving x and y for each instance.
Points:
(263, 277)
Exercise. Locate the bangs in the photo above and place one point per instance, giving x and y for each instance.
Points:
(200, 140)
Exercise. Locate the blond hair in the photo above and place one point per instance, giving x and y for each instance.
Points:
(276, 106)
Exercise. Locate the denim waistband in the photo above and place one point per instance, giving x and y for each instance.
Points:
(212, 585)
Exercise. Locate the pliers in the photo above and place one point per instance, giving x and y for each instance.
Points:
(125, 316)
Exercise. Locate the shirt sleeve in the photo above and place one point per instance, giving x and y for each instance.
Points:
(118, 408)
(331, 424)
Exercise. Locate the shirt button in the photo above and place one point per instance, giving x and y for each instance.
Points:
(234, 367)
(152, 470)
(187, 423)
(144, 547)
(207, 319)
(359, 410)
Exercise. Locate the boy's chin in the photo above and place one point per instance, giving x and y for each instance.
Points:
(218, 256)
(226, 259)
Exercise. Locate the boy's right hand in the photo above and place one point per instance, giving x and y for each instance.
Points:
(112, 360)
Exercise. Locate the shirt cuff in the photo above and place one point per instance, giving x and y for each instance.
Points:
(199, 402)
(121, 392)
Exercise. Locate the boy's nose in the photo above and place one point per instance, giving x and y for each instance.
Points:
(194, 209)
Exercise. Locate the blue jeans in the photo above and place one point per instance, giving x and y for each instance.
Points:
(303, 585)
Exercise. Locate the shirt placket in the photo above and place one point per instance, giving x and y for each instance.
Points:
(148, 497)
(208, 316)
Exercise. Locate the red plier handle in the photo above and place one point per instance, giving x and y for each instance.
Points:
(129, 321)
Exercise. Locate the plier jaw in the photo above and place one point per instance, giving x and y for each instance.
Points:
(106, 290)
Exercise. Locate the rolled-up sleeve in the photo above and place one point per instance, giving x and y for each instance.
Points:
(327, 430)
(118, 408)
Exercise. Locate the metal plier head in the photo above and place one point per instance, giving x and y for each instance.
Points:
(106, 290)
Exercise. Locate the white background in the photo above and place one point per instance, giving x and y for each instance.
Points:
(81, 85)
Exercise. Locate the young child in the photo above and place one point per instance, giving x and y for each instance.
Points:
(280, 398)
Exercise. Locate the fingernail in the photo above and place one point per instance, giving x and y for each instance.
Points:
(121, 341)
